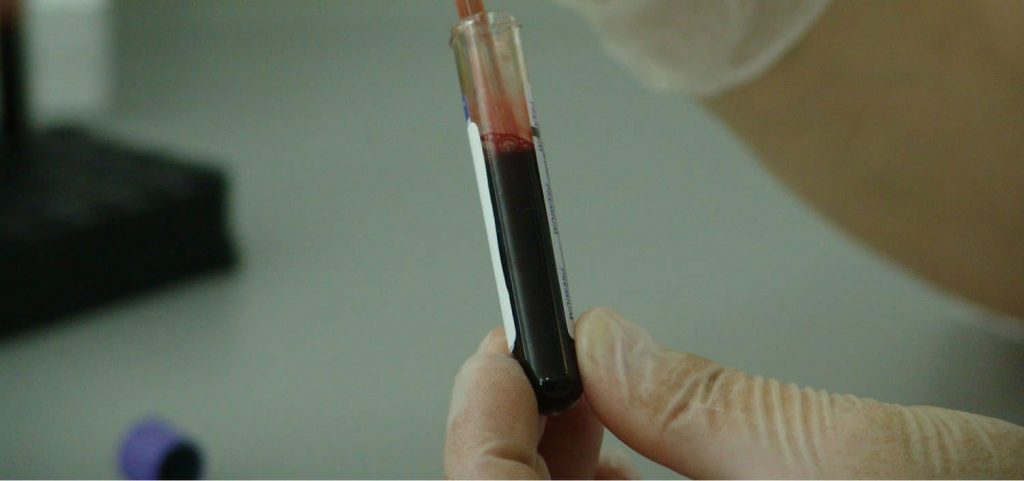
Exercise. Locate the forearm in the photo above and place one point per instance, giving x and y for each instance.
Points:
(903, 122)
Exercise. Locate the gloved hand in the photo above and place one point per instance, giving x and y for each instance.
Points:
(703, 420)
(698, 46)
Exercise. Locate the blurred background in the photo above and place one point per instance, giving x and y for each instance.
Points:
(365, 279)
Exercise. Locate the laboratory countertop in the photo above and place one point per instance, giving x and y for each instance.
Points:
(365, 277)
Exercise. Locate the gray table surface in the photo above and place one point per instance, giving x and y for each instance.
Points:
(366, 279)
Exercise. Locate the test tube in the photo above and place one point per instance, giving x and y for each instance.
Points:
(515, 193)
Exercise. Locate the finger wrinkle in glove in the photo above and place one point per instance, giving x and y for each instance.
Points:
(702, 47)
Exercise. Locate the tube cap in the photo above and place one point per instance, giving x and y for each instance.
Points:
(153, 449)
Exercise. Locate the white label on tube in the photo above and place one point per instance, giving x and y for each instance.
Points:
(504, 299)
(549, 204)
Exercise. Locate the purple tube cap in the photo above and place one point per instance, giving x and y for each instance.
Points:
(153, 449)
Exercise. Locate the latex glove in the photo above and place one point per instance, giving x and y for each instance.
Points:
(495, 431)
(706, 421)
(698, 46)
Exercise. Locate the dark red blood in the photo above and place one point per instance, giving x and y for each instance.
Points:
(542, 345)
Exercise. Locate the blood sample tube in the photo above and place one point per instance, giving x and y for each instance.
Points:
(515, 193)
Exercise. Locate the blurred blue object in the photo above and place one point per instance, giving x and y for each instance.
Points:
(153, 449)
